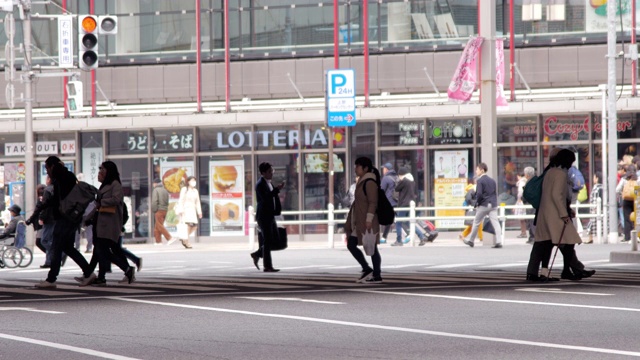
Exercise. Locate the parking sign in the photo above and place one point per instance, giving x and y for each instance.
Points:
(341, 97)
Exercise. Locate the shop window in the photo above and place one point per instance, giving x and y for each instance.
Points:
(565, 127)
(173, 141)
(55, 144)
(285, 168)
(316, 186)
(413, 161)
(450, 131)
(134, 175)
(12, 145)
(511, 164)
(286, 137)
(224, 139)
(314, 136)
(517, 129)
(401, 133)
(363, 142)
(225, 200)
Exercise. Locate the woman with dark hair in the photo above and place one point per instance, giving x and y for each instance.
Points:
(190, 209)
(625, 192)
(108, 224)
(553, 222)
(363, 217)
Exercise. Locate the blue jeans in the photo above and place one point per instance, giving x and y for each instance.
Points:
(47, 240)
(400, 225)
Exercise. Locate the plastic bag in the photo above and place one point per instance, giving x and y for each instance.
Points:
(369, 242)
(182, 231)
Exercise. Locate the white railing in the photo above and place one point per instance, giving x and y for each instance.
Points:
(331, 221)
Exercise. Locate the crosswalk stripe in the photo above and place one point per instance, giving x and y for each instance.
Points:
(36, 291)
(109, 288)
(450, 266)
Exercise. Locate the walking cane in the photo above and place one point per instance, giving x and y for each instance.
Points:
(556, 253)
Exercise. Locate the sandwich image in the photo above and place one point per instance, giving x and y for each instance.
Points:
(226, 212)
(224, 177)
(174, 179)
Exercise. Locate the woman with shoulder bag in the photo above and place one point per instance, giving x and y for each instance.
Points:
(363, 219)
(108, 223)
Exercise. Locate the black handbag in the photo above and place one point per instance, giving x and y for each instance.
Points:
(281, 241)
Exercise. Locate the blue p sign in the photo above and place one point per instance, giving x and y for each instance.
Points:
(337, 81)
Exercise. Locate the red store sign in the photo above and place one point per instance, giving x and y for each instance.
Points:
(553, 126)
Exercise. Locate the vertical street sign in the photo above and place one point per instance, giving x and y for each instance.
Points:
(341, 98)
(65, 45)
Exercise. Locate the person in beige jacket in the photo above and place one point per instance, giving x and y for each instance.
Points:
(555, 213)
(363, 217)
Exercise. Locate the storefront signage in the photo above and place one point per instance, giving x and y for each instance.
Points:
(227, 214)
(451, 132)
(553, 126)
(91, 160)
(411, 133)
(277, 138)
(67, 146)
(42, 148)
(174, 174)
(176, 142)
(451, 172)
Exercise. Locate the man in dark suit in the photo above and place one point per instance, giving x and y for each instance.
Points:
(268, 207)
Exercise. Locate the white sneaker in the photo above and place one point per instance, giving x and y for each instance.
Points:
(44, 284)
(88, 280)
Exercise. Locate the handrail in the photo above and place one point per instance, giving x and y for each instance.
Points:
(332, 221)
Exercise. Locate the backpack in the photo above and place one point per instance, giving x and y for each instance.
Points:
(386, 215)
(532, 191)
(577, 179)
(628, 190)
(72, 207)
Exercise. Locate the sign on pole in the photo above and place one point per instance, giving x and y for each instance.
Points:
(341, 97)
(65, 32)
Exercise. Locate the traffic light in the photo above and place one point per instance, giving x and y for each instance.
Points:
(107, 25)
(88, 42)
(74, 96)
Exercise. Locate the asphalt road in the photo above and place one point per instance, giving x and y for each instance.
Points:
(436, 302)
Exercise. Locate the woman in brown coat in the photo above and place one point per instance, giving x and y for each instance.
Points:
(555, 213)
(363, 217)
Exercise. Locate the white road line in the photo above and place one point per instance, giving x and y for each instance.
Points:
(560, 291)
(391, 328)
(595, 261)
(524, 263)
(597, 307)
(30, 310)
(291, 299)
(304, 267)
(403, 266)
(450, 266)
(66, 347)
(36, 291)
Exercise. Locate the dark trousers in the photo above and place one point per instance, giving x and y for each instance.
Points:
(627, 209)
(540, 254)
(128, 254)
(64, 236)
(386, 230)
(269, 230)
(570, 259)
(40, 246)
(107, 251)
(376, 259)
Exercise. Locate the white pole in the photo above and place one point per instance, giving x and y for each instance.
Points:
(331, 226)
(30, 167)
(412, 221)
(252, 229)
(605, 186)
(612, 119)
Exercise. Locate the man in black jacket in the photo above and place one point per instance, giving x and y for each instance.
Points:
(64, 230)
(268, 207)
(486, 204)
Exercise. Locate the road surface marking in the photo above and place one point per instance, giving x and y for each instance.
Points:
(35, 291)
(30, 310)
(66, 347)
(291, 299)
(403, 266)
(304, 267)
(450, 266)
(560, 291)
(500, 300)
(389, 328)
(524, 263)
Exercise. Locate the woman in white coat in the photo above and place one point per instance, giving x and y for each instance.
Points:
(555, 213)
(190, 209)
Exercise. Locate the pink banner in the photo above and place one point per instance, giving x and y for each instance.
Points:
(501, 100)
(464, 79)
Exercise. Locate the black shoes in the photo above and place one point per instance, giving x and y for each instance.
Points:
(131, 274)
(270, 270)
(467, 242)
(45, 266)
(365, 275)
(541, 278)
(497, 246)
(587, 273)
(255, 258)
(570, 276)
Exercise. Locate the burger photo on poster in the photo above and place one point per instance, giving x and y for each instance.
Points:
(224, 178)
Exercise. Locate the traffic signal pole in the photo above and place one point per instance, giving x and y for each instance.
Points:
(27, 78)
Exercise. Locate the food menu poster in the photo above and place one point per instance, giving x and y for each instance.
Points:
(449, 192)
(174, 177)
(226, 185)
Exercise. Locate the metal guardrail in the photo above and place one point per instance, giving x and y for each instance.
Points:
(331, 221)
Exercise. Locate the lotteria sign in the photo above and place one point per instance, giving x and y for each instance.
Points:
(266, 138)
(554, 126)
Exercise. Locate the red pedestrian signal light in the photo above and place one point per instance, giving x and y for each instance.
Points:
(88, 42)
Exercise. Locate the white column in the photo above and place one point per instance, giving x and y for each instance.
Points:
(488, 151)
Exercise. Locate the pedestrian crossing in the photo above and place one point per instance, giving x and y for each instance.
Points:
(19, 289)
